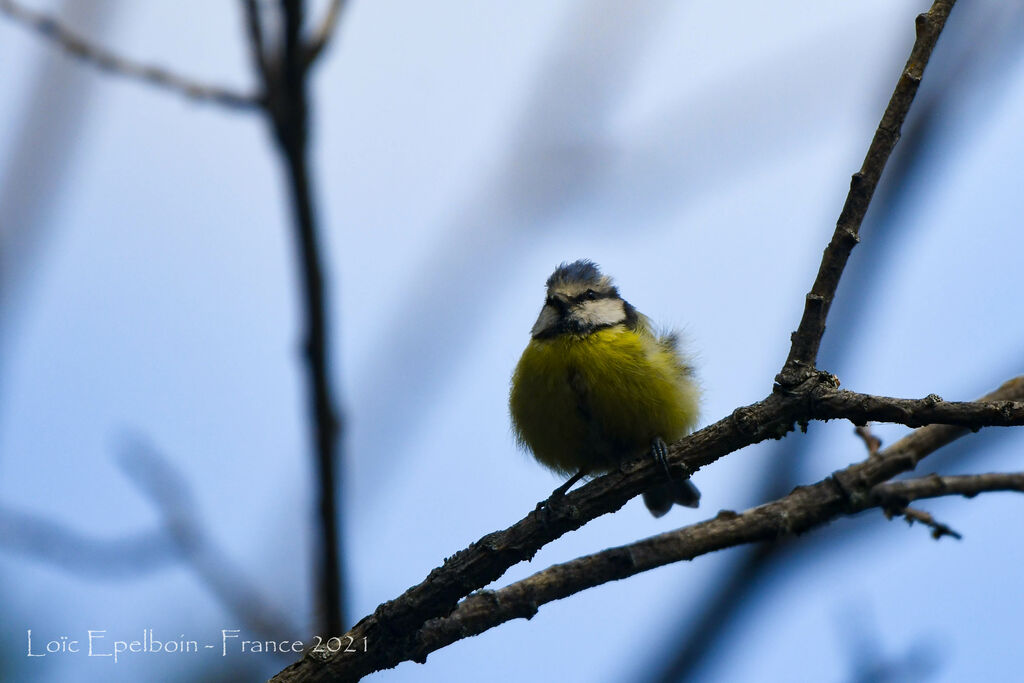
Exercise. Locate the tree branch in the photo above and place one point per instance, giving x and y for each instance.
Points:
(285, 101)
(894, 497)
(805, 508)
(922, 517)
(324, 31)
(934, 486)
(394, 624)
(99, 56)
(803, 353)
(863, 408)
(798, 393)
(288, 108)
(257, 43)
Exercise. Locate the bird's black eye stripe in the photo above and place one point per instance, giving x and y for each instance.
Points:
(591, 295)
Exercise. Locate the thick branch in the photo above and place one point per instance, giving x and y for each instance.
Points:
(805, 508)
(803, 353)
(393, 625)
(101, 57)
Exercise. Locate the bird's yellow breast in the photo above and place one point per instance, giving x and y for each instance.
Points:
(590, 401)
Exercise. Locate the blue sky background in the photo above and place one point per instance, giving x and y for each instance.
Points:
(699, 153)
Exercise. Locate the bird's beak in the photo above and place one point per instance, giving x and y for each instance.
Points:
(559, 301)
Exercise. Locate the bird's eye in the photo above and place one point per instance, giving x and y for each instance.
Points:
(590, 295)
(550, 301)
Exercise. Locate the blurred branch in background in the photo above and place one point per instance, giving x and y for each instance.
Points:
(99, 56)
(180, 538)
(870, 657)
(45, 138)
(284, 74)
(170, 492)
(283, 60)
(324, 31)
(985, 37)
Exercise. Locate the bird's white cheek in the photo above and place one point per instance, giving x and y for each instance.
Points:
(601, 312)
(547, 319)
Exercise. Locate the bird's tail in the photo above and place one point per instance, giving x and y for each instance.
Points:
(659, 499)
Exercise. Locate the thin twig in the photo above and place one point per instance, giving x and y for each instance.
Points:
(257, 43)
(803, 353)
(934, 486)
(325, 30)
(923, 517)
(871, 442)
(99, 56)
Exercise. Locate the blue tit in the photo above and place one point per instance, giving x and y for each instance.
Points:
(597, 385)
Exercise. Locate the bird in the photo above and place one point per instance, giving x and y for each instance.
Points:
(598, 385)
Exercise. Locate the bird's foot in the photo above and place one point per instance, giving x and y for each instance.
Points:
(659, 451)
(553, 503)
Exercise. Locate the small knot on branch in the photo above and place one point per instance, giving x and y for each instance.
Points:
(746, 422)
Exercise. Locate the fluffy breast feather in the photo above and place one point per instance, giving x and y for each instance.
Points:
(591, 401)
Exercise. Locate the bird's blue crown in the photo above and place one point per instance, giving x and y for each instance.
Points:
(583, 270)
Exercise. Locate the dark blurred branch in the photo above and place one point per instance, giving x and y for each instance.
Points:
(101, 57)
(324, 31)
(257, 43)
(803, 353)
(285, 82)
(285, 101)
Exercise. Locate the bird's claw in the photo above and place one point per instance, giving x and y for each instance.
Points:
(659, 451)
